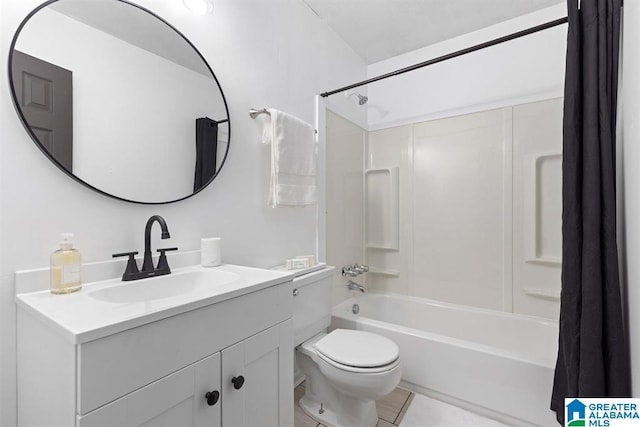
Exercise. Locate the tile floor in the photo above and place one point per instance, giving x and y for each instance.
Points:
(391, 408)
(425, 411)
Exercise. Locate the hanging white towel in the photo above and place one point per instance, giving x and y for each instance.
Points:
(293, 159)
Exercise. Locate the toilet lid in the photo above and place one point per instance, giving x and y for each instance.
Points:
(358, 348)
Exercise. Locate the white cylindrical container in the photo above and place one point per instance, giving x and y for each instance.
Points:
(210, 254)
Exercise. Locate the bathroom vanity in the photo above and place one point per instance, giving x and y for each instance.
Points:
(201, 347)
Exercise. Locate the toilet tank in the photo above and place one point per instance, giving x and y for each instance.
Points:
(312, 303)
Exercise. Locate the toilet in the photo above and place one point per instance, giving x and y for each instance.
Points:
(345, 370)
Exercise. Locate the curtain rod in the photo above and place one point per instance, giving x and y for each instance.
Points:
(490, 43)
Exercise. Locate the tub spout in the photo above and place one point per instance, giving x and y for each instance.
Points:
(355, 286)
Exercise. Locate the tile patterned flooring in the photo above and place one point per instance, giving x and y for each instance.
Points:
(390, 408)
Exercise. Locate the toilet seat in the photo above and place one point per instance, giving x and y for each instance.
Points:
(355, 369)
(358, 351)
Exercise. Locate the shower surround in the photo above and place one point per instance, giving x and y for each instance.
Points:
(468, 210)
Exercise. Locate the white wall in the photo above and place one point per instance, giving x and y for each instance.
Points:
(7, 311)
(537, 208)
(528, 69)
(345, 148)
(389, 148)
(629, 187)
(274, 53)
(458, 213)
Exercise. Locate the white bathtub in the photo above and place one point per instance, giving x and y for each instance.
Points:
(498, 364)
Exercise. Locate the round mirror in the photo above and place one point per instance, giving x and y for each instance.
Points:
(119, 100)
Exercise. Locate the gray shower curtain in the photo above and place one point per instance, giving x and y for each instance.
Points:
(593, 356)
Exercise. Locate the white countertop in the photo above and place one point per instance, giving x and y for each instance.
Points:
(81, 317)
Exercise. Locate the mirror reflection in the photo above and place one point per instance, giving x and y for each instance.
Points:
(119, 99)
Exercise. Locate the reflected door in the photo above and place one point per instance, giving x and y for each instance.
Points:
(45, 96)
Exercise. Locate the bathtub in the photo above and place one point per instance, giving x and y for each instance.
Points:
(497, 364)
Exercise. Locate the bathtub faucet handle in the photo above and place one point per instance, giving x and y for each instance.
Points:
(348, 271)
(360, 269)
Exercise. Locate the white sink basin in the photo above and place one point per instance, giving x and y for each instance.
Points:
(103, 308)
(168, 286)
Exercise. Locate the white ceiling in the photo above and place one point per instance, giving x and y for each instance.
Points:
(381, 29)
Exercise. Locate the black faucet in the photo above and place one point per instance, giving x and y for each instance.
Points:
(147, 265)
(148, 270)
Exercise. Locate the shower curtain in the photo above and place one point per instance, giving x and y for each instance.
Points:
(206, 151)
(593, 356)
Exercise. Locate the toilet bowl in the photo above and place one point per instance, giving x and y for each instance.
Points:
(345, 370)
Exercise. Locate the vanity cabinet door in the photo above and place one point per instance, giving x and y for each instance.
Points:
(188, 397)
(257, 379)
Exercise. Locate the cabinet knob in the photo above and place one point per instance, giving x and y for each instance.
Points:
(237, 382)
(212, 397)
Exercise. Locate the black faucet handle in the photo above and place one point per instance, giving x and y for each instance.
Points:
(132, 266)
(129, 254)
(163, 250)
(163, 265)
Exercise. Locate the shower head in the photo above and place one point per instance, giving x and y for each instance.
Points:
(361, 98)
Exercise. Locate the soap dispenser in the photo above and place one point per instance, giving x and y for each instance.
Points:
(65, 267)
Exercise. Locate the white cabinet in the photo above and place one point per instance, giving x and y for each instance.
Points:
(179, 399)
(159, 373)
(257, 379)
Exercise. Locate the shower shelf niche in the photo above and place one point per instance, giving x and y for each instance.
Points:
(382, 206)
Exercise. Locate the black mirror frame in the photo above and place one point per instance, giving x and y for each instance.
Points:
(30, 132)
